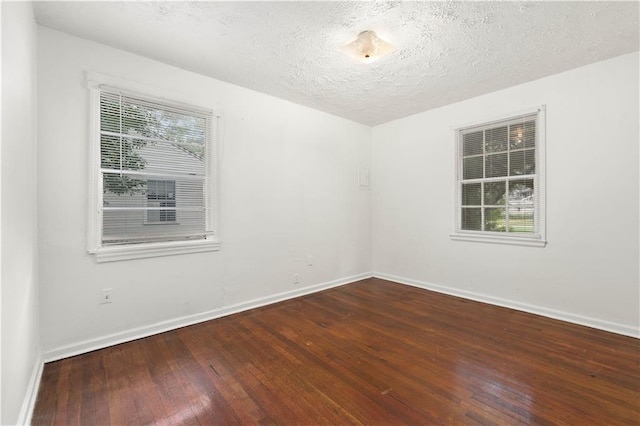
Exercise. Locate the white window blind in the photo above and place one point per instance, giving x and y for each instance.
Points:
(153, 170)
(498, 178)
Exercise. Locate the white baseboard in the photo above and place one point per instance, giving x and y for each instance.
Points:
(613, 327)
(26, 411)
(160, 327)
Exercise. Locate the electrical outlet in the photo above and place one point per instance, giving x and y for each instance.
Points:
(309, 260)
(106, 295)
(296, 278)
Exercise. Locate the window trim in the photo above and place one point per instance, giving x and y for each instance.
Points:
(97, 81)
(538, 239)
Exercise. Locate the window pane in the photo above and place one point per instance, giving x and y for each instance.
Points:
(178, 138)
(110, 112)
(472, 144)
(115, 184)
(472, 168)
(138, 208)
(521, 191)
(156, 121)
(110, 152)
(496, 165)
(471, 194)
(128, 226)
(494, 219)
(471, 219)
(161, 193)
(132, 116)
(496, 139)
(530, 134)
(523, 135)
(155, 157)
(495, 193)
(522, 162)
(137, 120)
(161, 189)
(522, 220)
(521, 206)
(119, 153)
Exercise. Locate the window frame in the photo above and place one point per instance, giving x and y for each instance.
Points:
(538, 238)
(97, 82)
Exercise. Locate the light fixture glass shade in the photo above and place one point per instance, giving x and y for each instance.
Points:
(368, 47)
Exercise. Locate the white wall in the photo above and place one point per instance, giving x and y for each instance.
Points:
(289, 189)
(589, 271)
(20, 338)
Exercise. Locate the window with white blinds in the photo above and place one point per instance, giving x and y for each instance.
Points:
(154, 181)
(499, 181)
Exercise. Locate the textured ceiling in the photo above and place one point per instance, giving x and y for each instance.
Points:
(446, 51)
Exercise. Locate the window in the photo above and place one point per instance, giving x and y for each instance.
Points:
(161, 193)
(499, 182)
(154, 188)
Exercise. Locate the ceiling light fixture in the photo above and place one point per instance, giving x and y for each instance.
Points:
(368, 47)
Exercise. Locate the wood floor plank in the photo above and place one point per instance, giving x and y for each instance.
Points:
(371, 352)
(288, 380)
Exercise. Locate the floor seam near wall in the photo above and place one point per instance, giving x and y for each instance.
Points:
(599, 324)
(88, 345)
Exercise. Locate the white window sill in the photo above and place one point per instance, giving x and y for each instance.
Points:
(142, 251)
(536, 241)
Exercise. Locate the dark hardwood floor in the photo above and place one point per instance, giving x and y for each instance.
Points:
(372, 352)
